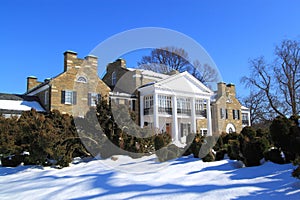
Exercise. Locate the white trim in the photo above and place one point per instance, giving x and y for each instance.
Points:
(45, 87)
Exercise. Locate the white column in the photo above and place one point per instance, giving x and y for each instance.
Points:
(155, 111)
(249, 122)
(174, 120)
(208, 111)
(194, 123)
(142, 111)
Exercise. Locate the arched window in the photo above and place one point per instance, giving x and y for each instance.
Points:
(81, 79)
(113, 78)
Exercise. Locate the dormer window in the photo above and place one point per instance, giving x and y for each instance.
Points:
(113, 78)
(81, 79)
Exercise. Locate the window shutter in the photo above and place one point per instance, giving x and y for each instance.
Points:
(74, 98)
(89, 99)
(98, 98)
(63, 95)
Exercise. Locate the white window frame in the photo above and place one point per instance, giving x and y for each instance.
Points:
(81, 79)
(46, 97)
(113, 78)
(69, 97)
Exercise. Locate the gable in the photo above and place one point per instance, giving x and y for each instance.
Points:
(183, 83)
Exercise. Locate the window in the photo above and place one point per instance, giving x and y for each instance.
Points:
(203, 131)
(148, 105)
(148, 102)
(236, 114)
(230, 130)
(81, 79)
(46, 98)
(93, 99)
(164, 104)
(68, 97)
(183, 106)
(113, 78)
(222, 113)
(245, 120)
(226, 113)
(200, 106)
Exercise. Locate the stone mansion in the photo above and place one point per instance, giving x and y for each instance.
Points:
(176, 103)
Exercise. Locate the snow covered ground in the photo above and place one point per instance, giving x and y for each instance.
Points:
(145, 178)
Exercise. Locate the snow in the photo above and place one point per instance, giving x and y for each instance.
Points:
(20, 105)
(146, 178)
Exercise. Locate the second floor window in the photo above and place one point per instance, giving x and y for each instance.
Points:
(148, 102)
(93, 99)
(113, 78)
(68, 97)
(164, 101)
(236, 114)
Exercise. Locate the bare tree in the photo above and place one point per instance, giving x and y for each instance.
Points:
(204, 73)
(279, 81)
(287, 73)
(259, 107)
(166, 59)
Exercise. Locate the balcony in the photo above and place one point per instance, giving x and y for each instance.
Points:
(163, 110)
(184, 111)
(201, 113)
(148, 111)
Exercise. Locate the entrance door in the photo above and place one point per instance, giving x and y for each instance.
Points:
(168, 129)
(185, 129)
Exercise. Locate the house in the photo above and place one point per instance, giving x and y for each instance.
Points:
(228, 113)
(176, 103)
(15, 104)
(73, 91)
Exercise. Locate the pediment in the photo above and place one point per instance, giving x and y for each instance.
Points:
(184, 83)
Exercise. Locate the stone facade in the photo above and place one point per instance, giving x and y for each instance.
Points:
(227, 110)
(74, 90)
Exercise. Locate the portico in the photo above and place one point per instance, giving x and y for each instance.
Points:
(174, 105)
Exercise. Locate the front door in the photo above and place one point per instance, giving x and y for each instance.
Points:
(168, 129)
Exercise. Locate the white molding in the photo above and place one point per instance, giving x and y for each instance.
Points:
(34, 92)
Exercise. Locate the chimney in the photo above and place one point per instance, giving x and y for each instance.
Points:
(221, 89)
(69, 59)
(31, 82)
(231, 89)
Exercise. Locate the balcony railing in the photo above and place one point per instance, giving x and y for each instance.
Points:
(201, 113)
(184, 111)
(163, 110)
(148, 111)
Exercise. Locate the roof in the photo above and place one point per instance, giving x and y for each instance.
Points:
(150, 73)
(182, 83)
(15, 103)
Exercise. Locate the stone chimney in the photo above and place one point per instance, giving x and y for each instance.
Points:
(70, 58)
(173, 72)
(231, 89)
(221, 89)
(32, 82)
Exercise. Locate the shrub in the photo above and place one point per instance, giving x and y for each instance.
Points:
(253, 151)
(249, 133)
(220, 154)
(209, 157)
(233, 149)
(274, 155)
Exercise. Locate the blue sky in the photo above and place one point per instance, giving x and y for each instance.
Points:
(34, 34)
